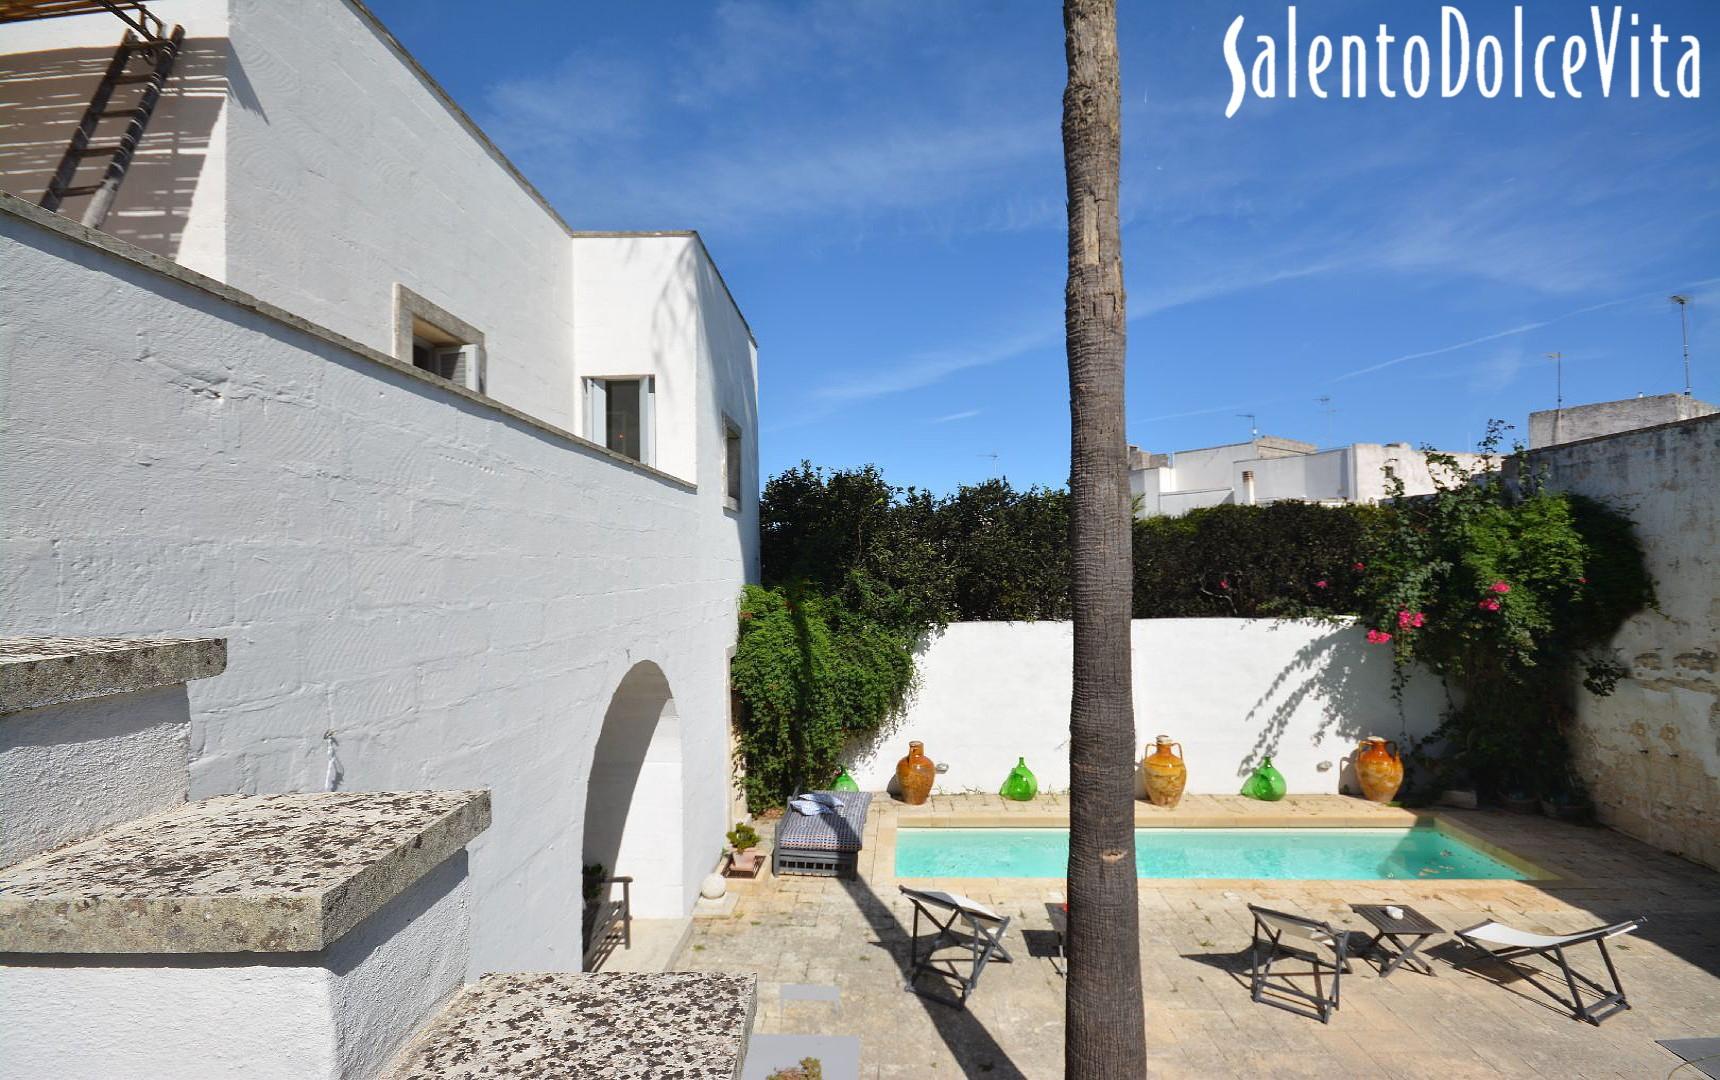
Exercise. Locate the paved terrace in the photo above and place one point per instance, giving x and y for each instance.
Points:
(852, 935)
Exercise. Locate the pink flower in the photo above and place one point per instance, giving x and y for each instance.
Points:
(1378, 637)
(1410, 619)
(1321, 584)
(1500, 587)
(1224, 583)
(1488, 605)
(1359, 566)
(1582, 581)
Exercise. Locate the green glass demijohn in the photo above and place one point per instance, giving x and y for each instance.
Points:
(845, 783)
(1265, 783)
(1021, 785)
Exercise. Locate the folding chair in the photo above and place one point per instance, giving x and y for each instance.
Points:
(984, 937)
(1501, 942)
(1279, 936)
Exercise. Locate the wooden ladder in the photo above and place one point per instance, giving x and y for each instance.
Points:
(160, 53)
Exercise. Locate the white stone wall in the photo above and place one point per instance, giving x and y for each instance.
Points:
(434, 592)
(1230, 690)
(1650, 752)
(329, 1016)
(69, 771)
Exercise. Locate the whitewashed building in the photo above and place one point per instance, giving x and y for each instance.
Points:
(470, 493)
(1268, 469)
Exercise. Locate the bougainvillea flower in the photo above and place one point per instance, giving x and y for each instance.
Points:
(1224, 583)
(1321, 584)
(1488, 605)
(1359, 566)
(1409, 619)
(1378, 637)
(1500, 587)
(1582, 581)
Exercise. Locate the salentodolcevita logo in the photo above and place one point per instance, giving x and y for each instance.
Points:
(1618, 53)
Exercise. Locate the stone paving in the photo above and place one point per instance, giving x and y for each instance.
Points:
(853, 935)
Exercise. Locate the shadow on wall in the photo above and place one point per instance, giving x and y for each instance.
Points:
(43, 96)
(1347, 677)
(633, 804)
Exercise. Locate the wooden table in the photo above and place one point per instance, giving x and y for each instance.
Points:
(1413, 926)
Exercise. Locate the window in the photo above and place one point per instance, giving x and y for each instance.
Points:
(434, 340)
(619, 416)
(734, 463)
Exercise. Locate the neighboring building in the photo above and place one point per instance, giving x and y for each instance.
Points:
(1550, 427)
(1269, 469)
(470, 494)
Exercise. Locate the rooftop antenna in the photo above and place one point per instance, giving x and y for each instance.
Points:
(1253, 429)
(1328, 411)
(1558, 359)
(1683, 303)
(993, 457)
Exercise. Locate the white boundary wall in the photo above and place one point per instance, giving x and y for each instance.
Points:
(1230, 690)
(450, 591)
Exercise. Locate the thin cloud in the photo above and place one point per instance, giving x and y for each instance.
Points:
(965, 414)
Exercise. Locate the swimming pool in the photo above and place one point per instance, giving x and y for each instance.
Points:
(1417, 854)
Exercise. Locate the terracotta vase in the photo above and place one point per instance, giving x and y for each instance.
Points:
(915, 773)
(1165, 773)
(1379, 768)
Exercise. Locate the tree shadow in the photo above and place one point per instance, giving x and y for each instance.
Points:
(976, 1051)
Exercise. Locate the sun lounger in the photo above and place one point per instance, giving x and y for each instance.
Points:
(824, 845)
(984, 937)
(1279, 936)
(1501, 942)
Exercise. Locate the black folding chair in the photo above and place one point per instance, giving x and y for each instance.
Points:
(1280, 936)
(1500, 942)
(983, 938)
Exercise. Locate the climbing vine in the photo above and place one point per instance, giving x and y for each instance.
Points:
(1510, 592)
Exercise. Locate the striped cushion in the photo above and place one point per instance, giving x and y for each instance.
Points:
(840, 830)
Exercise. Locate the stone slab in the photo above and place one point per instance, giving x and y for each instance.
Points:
(38, 671)
(235, 874)
(621, 1026)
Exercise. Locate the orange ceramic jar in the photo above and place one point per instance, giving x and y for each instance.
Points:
(1165, 773)
(915, 774)
(1379, 768)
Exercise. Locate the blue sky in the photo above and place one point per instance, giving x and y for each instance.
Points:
(881, 183)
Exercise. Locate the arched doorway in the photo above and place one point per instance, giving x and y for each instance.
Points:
(633, 801)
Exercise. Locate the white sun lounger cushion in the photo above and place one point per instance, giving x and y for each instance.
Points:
(965, 904)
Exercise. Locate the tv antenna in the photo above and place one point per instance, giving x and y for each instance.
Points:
(1328, 411)
(993, 456)
(1683, 303)
(1558, 359)
(1253, 427)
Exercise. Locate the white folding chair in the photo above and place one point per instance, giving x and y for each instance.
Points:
(983, 937)
(1501, 942)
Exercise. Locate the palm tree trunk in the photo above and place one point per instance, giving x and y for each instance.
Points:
(1105, 1036)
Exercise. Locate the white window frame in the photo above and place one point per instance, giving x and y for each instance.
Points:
(597, 413)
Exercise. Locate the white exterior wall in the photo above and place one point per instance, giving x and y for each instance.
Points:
(1650, 752)
(331, 1016)
(69, 771)
(348, 173)
(452, 592)
(1230, 690)
(1320, 477)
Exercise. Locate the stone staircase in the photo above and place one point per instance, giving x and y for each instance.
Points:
(296, 935)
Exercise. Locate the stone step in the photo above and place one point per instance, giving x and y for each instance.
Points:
(93, 732)
(236, 873)
(620, 1025)
(275, 936)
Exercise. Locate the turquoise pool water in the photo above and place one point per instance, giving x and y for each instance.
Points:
(1300, 854)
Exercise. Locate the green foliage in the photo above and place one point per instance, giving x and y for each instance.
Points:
(1250, 561)
(812, 673)
(592, 877)
(808, 1069)
(743, 837)
(1510, 593)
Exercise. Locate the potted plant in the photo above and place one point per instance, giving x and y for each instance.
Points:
(1568, 802)
(592, 878)
(743, 860)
